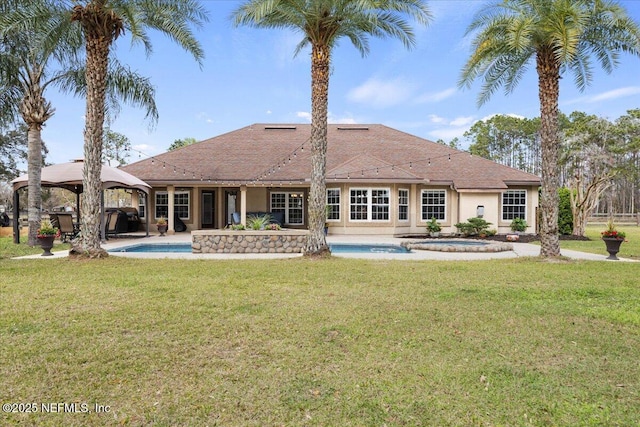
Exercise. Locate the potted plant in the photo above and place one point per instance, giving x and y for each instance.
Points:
(518, 225)
(434, 228)
(613, 239)
(162, 225)
(46, 234)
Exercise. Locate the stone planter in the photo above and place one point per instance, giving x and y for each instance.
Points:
(613, 247)
(46, 243)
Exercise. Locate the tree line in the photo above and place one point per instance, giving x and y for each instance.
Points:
(599, 159)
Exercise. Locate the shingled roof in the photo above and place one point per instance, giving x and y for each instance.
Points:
(277, 153)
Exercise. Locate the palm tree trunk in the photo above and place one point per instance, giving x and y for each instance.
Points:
(549, 92)
(320, 63)
(35, 111)
(97, 58)
(34, 164)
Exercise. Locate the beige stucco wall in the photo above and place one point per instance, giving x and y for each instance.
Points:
(460, 207)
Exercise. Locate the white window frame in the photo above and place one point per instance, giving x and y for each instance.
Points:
(369, 204)
(287, 208)
(332, 204)
(511, 216)
(142, 205)
(422, 205)
(403, 202)
(175, 204)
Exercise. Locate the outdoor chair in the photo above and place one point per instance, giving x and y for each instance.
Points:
(64, 222)
(235, 218)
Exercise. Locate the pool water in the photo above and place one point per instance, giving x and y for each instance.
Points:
(186, 248)
(340, 248)
(155, 247)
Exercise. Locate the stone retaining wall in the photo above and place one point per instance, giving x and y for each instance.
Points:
(248, 241)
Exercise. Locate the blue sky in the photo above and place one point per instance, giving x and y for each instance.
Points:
(251, 76)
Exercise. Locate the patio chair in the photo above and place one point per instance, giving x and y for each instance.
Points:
(65, 223)
(235, 218)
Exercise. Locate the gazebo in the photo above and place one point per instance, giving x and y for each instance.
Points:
(69, 176)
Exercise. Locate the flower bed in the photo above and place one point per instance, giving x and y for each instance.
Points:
(248, 241)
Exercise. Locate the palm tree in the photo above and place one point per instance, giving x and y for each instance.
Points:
(102, 22)
(561, 35)
(40, 48)
(24, 65)
(322, 23)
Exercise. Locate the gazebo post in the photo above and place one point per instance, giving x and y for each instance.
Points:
(146, 204)
(16, 217)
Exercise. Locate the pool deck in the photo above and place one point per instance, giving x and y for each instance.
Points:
(519, 250)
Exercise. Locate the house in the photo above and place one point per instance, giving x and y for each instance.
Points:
(379, 181)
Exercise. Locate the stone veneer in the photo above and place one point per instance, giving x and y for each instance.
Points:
(248, 241)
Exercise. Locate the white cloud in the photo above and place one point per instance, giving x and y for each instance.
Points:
(304, 115)
(433, 118)
(615, 94)
(447, 134)
(268, 111)
(436, 97)
(381, 93)
(605, 96)
(462, 121)
(202, 116)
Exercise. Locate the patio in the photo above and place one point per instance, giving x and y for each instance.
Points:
(519, 250)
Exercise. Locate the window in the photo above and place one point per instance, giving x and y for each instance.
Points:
(142, 205)
(291, 205)
(180, 204)
(514, 205)
(403, 205)
(434, 204)
(333, 204)
(369, 204)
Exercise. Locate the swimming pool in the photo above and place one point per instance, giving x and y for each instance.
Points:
(155, 248)
(335, 247)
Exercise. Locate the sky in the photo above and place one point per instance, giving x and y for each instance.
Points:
(252, 76)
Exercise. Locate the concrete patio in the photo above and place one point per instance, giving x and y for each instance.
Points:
(519, 250)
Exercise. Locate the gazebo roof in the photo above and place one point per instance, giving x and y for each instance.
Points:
(69, 176)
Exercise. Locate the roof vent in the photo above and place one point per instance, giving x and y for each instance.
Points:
(277, 127)
(353, 128)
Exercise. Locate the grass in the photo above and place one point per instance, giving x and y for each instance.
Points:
(324, 342)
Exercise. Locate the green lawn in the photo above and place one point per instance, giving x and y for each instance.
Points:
(331, 342)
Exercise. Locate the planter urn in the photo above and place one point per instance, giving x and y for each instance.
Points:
(162, 228)
(613, 246)
(46, 243)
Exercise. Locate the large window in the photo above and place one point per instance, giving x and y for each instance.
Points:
(291, 204)
(434, 204)
(369, 204)
(514, 205)
(403, 205)
(180, 204)
(333, 204)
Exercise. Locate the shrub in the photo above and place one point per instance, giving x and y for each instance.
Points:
(473, 226)
(258, 222)
(518, 224)
(565, 215)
